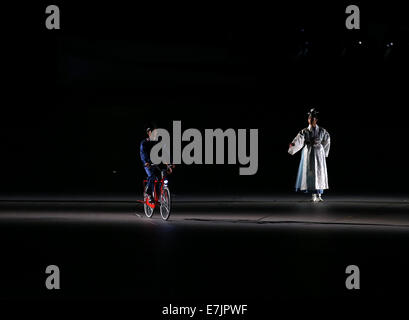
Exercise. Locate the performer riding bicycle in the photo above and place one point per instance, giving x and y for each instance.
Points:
(152, 171)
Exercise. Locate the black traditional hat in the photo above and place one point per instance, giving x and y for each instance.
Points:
(313, 113)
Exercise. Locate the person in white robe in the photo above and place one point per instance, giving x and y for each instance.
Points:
(314, 141)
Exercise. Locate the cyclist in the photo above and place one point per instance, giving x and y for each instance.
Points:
(151, 170)
(145, 150)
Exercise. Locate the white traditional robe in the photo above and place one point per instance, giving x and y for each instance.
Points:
(312, 172)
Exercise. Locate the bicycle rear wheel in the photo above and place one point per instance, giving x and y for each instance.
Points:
(148, 210)
(165, 203)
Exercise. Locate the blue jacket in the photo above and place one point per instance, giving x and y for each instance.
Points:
(145, 150)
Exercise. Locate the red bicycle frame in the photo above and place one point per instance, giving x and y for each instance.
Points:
(156, 194)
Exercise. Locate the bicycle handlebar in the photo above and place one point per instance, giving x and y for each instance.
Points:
(157, 165)
(169, 168)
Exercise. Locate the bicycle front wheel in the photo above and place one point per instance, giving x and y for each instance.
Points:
(165, 203)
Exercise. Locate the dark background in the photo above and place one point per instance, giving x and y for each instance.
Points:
(75, 100)
(73, 108)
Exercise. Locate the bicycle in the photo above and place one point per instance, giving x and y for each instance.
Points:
(161, 198)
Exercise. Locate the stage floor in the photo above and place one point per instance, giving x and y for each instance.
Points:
(340, 210)
(238, 250)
